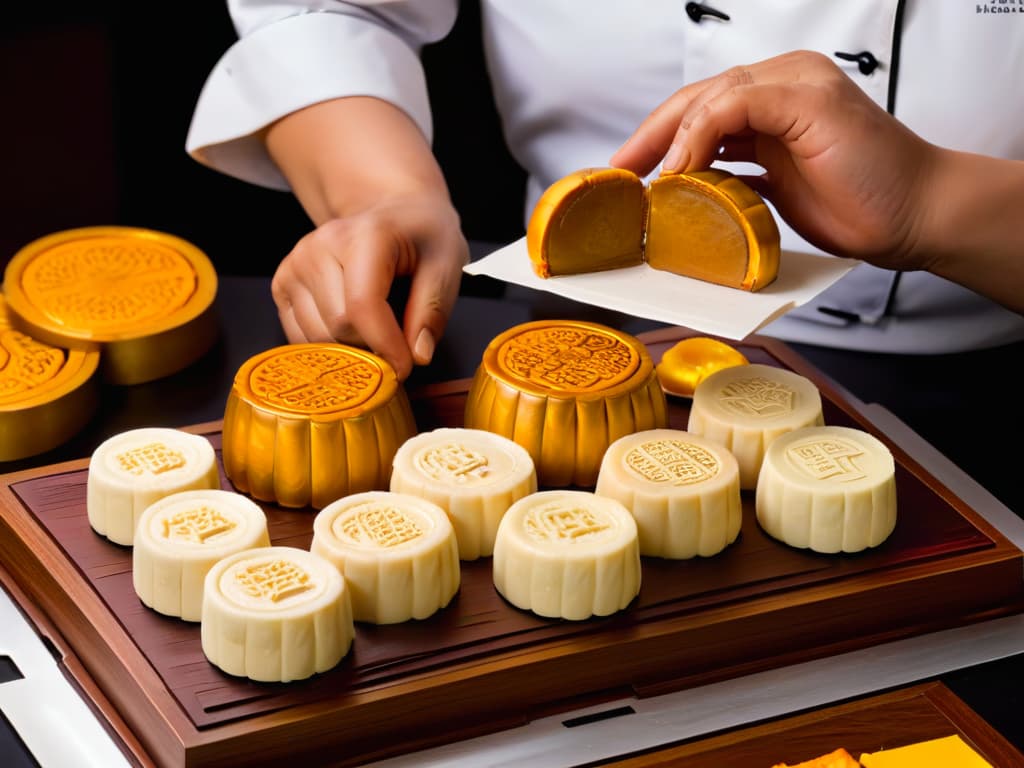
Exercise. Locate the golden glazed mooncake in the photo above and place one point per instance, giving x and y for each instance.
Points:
(275, 614)
(47, 394)
(565, 390)
(306, 424)
(707, 225)
(145, 297)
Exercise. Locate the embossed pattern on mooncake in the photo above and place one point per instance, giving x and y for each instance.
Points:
(319, 379)
(563, 390)
(397, 552)
(275, 614)
(566, 358)
(46, 393)
(306, 424)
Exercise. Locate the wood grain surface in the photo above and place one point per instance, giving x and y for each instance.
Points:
(480, 662)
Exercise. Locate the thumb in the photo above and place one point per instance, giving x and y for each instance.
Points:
(432, 294)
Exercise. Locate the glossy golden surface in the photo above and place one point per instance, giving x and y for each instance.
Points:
(306, 424)
(690, 361)
(47, 394)
(711, 226)
(708, 225)
(146, 297)
(587, 221)
(565, 390)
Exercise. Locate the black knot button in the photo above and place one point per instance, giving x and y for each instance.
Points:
(866, 61)
(697, 11)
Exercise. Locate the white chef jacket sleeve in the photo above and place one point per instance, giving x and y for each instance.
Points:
(290, 55)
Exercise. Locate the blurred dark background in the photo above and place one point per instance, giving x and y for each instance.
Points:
(96, 103)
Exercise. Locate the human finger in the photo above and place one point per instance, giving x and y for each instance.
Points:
(432, 294)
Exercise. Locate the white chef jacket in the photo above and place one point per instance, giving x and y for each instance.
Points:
(572, 80)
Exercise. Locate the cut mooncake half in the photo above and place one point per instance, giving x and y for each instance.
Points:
(708, 225)
(588, 221)
(711, 226)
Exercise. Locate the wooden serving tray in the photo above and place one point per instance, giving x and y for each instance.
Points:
(885, 721)
(480, 664)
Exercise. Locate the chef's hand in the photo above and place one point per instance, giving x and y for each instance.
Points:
(366, 176)
(843, 172)
(334, 284)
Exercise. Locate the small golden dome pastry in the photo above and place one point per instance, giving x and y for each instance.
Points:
(145, 297)
(397, 552)
(181, 536)
(565, 390)
(838, 758)
(590, 220)
(688, 362)
(133, 469)
(275, 614)
(306, 424)
(47, 394)
(746, 407)
(708, 225)
(828, 488)
(682, 489)
(567, 554)
(473, 475)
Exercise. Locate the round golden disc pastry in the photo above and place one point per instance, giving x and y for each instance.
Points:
(47, 394)
(145, 297)
(690, 361)
(306, 424)
(565, 390)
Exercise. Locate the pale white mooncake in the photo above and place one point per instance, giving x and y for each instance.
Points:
(133, 469)
(745, 407)
(275, 614)
(472, 474)
(567, 554)
(181, 536)
(683, 491)
(829, 489)
(397, 552)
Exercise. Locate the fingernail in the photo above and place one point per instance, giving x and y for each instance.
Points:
(672, 158)
(424, 347)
